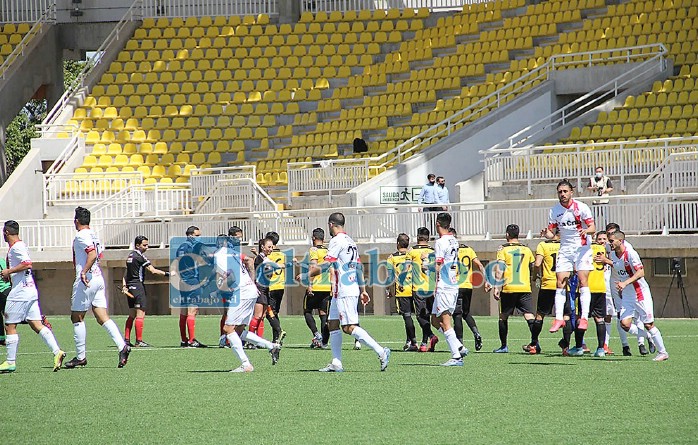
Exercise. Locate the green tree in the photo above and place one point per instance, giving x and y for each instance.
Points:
(22, 129)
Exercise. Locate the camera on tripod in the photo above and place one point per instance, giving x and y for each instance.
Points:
(676, 266)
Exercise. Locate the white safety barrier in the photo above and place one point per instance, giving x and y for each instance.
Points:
(199, 8)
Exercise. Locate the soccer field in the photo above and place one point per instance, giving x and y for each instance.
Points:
(171, 395)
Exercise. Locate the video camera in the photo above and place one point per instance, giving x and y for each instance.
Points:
(676, 265)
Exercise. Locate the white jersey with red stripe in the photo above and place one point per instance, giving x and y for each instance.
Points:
(23, 287)
(446, 253)
(569, 220)
(614, 275)
(230, 262)
(344, 256)
(625, 266)
(85, 242)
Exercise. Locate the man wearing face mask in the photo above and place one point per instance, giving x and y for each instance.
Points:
(442, 193)
(600, 185)
(428, 196)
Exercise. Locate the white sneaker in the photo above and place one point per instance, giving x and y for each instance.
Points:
(245, 367)
(331, 368)
(357, 345)
(453, 362)
(385, 358)
(662, 356)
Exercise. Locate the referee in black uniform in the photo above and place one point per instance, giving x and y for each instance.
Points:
(134, 289)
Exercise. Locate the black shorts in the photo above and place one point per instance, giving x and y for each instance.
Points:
(319, 300)
(515, 300)
(546, 302)
(597, 308)
(139, 298)
(275, 297)
(263, 297)
(463, 301)
(190, 298)
(423, 303)
(405, 305)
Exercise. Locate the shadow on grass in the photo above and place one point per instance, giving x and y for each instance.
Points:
(542, 363)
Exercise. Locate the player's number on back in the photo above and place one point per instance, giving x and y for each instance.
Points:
(518, 259)
(554, 255)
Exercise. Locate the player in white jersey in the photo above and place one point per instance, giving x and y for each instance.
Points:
(23, 300)
(446, 256)
(615, 296)
(636, 299)
(348, 285)
(238, 288)
(576, 225)
(88, 291)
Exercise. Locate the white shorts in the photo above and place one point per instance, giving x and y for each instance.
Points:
(344, 309)
(610, 306)
(91, 296)
(569, 260)
(240, 314)
(19, 311)
(444, 301)
(642, 310)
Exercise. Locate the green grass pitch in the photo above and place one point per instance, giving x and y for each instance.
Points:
(172, 395)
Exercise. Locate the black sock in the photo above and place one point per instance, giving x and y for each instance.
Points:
(503, 331)
(310, 321)
(275, 327)
(567, 333)
(536, 329)
(530, 328)
(410, 331)
(470, 321)
(601, 332)
(578, 337)
(458, 326)
(426, 328)
(325, 329)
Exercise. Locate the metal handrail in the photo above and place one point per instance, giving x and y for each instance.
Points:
(48, 16)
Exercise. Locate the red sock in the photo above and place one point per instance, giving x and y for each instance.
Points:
(139, 328)
(127, 329)
(254, 323)
(260, 328)
(191, 326)
(183, 327)
(223, 318)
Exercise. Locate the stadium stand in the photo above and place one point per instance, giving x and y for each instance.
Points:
(11, 34)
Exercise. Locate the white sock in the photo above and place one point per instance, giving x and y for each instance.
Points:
(256, 339)
(658, 340)
(236, 346)
(114, 333)
(80, 337)
(585, 300)
(453, 344)
(607, 337)
(559, 303)
(364, 337)
(12, 342)
(336, 345)
(49, 339)
(621, 333)
(638, 329)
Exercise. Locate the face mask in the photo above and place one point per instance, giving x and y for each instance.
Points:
(599, 175)
(431, 182)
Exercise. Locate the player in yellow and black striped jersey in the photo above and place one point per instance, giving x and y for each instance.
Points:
(423, 286)
(277, 283)
(318, 293)
(402, 289)
(467, 260)
(513, 289)
(597, 287)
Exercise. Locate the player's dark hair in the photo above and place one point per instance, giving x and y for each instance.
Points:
(600, 232)
(319, 234)
(262, 242)
(12, 227)
(423, 234)
(612, 227)
(234, 231)
(139, 240)
(565, 182)
(190, 230)
(82, 215)
(512, 231)
(452, 231)
(444, 220)
(337, 219)
(273, 236)
(403, 241)
(618, 235)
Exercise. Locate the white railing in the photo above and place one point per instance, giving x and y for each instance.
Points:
(79, 85)
(22, 11)
(653, 62)
(86, 188)
(637, 214)
(678, 173)
(475, 110)
(145, 200)
(620, 159)
(327, 176)
(236, 195)
(199, 8)
(48, 16)
(204, 179)
(357, 5)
